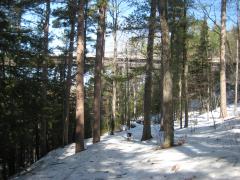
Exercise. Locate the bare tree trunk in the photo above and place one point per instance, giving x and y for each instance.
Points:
(237, 61)
(209, 73)
(185, 92)
(114, 103)
(135, 99)
(69, 71)
(38, 121)
(86, 9)
(98, 69)
(185, 67)
(148, 77)
(184, 73)
(45, 80)
(223, 96)
(80, 80)
(167, 77)
(208, 96)
(161, 94)
(236, 82)
(127, 97)
(115, 28)
(180, 100)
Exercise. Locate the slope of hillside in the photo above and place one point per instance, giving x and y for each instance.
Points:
(207, 152)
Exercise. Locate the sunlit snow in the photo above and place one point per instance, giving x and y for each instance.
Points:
(208, 152)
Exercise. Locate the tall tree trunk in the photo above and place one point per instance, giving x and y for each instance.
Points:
(72, 3)
(185, 92)
(185, 67)
(124, 72)
(209, 83)
(180, 100)
(114, 101)
(45, 80)
(208, 105)
(127, 96)
(223, 96)
(98, 69)
(38, 119)
(115, 28)
(161, 93)
(167, 77)
(237, 61)
(86, 9)
(80, 80)
(148, 77)
(135, 99)
(122, 98)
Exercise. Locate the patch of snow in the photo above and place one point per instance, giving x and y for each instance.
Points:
(208, 152)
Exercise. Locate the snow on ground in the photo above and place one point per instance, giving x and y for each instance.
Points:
(208, 153)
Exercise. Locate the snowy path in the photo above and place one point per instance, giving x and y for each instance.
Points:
(208, 153)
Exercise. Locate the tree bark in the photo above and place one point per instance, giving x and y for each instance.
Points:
(114, 98)
(223, 96)
(237, 62)
(127, 96)
(161, 93)
(185, 92)
(45, 79)
(98, 69)
(69, 71)
(148, 76)
(167, 77)
(80, 80)
(135, 99)
(185, 67)
(180, 101)
(86, 9)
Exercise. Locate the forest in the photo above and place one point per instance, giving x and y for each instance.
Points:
(119, 89)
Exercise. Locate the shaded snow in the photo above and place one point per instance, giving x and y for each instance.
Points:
(207, 153)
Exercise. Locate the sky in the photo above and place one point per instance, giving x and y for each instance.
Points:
(213, 8)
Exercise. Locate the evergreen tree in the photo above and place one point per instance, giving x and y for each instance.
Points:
(223, 95)
(148, 79)
(102, 5)
(80, 81)
(45, 78)
(167, 76)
